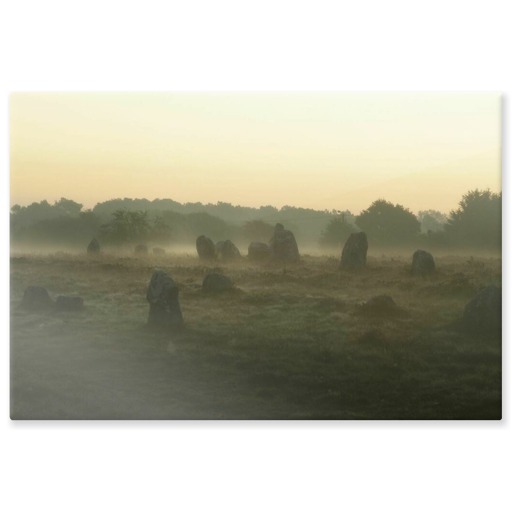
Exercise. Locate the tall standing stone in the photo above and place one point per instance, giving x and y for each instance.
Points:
(422, 263)
(354, 251)
(227, 250)
(283, 245)
(164, 305)
(205, 248)
(93, 247)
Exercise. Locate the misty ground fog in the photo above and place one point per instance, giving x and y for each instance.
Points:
(286, 342)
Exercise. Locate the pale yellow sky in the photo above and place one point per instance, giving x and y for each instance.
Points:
(315, 150)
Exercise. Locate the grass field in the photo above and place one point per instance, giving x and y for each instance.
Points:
(287, 343)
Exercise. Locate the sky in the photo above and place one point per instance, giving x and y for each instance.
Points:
(315, 150)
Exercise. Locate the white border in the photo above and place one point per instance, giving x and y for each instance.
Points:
(365, 45)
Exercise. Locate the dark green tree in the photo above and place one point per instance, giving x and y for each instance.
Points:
(432, 220)
(22, 216)
(206, 224)
(336, 232)
(477, 221)
(386, 223)
(126, 227)
(68, 207)
(257, 231)
(161, 232)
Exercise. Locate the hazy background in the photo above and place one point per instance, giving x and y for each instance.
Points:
(315, 150)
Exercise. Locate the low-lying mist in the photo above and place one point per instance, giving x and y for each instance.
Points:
(189, 249)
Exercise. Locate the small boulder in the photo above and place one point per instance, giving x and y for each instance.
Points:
(164, 306)
(205, 248)
(93, 247)
(482, 314)
(141, 250)
(422, 263)
(227, 250)
(36, 298)
(217, 283)
(259, 251)
(354, 251)
(158, 251)
(283, 245)
(69, 303)
(380, 305)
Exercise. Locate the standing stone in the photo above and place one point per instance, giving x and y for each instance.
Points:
(205, 248)
(158, 251)
(93, 247)
(217, 283)
(141, 250)
(36, 298)
(482, 314)
(259, 251)
(354, 251)
(283, 245)
(422, 263)
(227, 250)
(164, 306)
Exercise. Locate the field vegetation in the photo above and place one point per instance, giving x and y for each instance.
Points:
(289, 342)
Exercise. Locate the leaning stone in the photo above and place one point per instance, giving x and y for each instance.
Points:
(227, 250)
(36, 298)
(422, 263)
(482, 314)
(354, 251)
(164, 306)
(217, 283)
(93, 247)
(259, 251)
(283, 245)
(205, 248)
(69, 303)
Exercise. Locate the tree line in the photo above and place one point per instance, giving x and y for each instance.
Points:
(474, 224)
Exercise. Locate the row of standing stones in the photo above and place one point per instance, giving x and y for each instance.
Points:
(355, 250)
(283, 248)
(481, 315)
